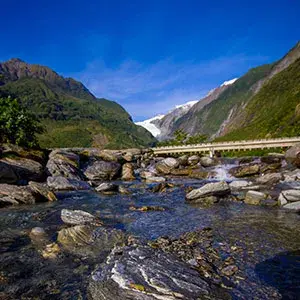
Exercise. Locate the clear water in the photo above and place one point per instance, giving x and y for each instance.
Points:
(270, 238)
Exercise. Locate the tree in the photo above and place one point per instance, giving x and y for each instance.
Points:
(18, 126)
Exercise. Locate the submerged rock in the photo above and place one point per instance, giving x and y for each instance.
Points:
(61, 183)
(147, 208)
(141, 272)
(209, 189)
(78, 235)
(78, 217)
(166, 165)
(107, 187)
(102, 170)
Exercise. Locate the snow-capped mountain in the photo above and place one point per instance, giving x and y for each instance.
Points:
(163, 126)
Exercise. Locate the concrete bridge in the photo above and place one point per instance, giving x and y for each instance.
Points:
(211, 148)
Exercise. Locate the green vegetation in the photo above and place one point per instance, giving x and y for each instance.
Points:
(71, 115)
(17, 126)
(182, 138)
(274, 111)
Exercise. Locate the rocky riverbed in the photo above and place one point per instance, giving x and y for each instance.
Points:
(92, 224)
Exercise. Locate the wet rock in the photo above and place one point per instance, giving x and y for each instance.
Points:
(107, 187)
(155, 179)
(51, 251)
(230, 270)
(293, 155)
(199, 174)
(128, 172)
(166, 165)
(244, 171)
(289, 196)
(207, 161)
(12, 194)
(37, 231)
(270, 168)
(254, 197)
(181, 172)
(161, 187)
(271, 178)
(147, 208)
(102, 170)
(78, 235)
(236, 185)
(43, 190)
(146, 174)
(141, 272)
(123, 190)
(78, 217)
(281, 200)
(65, 164)
(61, 183)
(14, 169)
(269, 203)
(209, 189)
(293, 206)
(193, 160)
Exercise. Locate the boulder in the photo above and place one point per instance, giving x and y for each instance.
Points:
(128, 172)
(12, 194)
(110, 155)
(155, 179)
(245, 170)
(270, 168)
(271, 178)
(207, 161)
(43, 190)
(292, 175)
(166, 165)
(198, 173)
(183, 160)
(272, 159)
(7, 173)
(65, 164)
(181, 172)
(290, 195)
(146, 174)
(141, 272)
(60, 183)
(193, 160)
(210, 189)
(78, 235)
(77, 217)
(293, 206)
(254, 197)
(102, 170)
(292, 155)
(239, 184)
(107, 187)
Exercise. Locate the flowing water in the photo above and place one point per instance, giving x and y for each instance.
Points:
(269, 237)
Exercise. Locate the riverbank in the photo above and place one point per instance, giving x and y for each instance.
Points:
(132, 225)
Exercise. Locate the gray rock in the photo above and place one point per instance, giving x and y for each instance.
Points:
(166, 165)
(210, 189)
(193, 160)
(293, 206)
(239, 184)
(290, 195)
(291, 175)
(183, 160)
(143, 273)
(65, 164)
(293, 155)
(12, 194)
(61, 183)
(281, 200)
(254, 197)
(245, 171)
(107, 187)
(207, 161)
(102, 170)
(155, 179)
(43, 190)
(271, 178)
(77, 217)
(128, 172)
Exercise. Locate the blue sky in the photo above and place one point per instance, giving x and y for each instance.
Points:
(149, 55)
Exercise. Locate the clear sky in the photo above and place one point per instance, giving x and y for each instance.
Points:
(149, 55)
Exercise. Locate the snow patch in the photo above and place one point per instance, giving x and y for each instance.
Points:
(148, 124)
(229, 82)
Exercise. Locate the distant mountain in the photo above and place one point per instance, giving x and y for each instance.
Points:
(163, 126)
(72, 115)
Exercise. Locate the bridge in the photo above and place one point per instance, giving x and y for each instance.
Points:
(211, 148)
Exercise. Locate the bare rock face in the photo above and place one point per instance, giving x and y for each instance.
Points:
(65, 164)
(143, 273)
(166, 165)
(293, 155)
(215, 189)
(128, 172)
(102, 170)
(60, 183)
